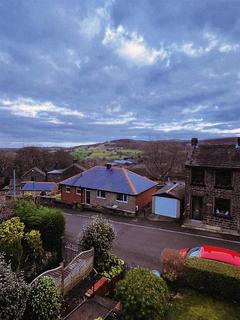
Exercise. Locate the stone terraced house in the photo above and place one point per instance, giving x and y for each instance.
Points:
(212, 198)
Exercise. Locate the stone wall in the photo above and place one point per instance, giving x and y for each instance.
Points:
(209, 192)
(111, 199)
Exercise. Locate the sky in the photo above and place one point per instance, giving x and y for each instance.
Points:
(76, 72)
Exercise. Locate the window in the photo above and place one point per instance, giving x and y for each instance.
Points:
(122, 197)
(198, 175)
(222, 207)
(101, 194)
(78, 190)
(194, 252)
(68, 189)
(223, 178)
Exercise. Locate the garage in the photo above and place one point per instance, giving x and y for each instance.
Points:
(169, 200)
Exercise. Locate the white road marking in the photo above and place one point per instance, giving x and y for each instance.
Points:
(156, 228)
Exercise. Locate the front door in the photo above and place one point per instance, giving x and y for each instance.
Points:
(88, 196)
(197, 204)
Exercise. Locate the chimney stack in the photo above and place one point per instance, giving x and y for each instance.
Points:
(238, 142)
(194, 142)
(108, 165)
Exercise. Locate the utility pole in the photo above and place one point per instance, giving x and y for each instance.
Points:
(14, 183)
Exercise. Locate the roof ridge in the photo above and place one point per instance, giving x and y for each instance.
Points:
(129, 180)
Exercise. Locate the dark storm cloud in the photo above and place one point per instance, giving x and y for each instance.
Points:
(85, 71)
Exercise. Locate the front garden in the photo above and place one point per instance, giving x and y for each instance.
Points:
(30, 242)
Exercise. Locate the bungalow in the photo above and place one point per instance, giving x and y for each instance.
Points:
(58, 175)
(39, 188)
(109, 187)
(169, 200)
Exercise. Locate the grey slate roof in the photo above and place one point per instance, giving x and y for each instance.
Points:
(172, 189)
(35, 169)
(39, 186)
(215, 156)
(115, 179)
(60, 171)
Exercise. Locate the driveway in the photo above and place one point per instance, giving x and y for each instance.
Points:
(140, 244)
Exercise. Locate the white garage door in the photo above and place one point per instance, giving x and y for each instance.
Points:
(167, 207)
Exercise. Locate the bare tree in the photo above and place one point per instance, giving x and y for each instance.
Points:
(29, 157)
(60, 159)
(161, 157)
(6, 166)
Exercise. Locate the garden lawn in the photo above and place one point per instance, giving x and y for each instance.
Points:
(191, 305)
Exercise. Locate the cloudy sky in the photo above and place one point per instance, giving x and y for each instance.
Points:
(85, 71)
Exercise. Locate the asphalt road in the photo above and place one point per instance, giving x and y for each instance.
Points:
(141, 245)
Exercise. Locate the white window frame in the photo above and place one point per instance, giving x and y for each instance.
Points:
(68, 187)
(77, 191)
(123, 196)
(99, 194)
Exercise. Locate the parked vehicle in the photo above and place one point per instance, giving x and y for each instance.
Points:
(213, 253)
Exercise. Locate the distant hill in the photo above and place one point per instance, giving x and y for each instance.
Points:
(135, 144)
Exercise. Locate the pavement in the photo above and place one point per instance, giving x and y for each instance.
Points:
(140, 242)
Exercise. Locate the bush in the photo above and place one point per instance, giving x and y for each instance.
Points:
(44, 301)
(113, 267)
(50, 222)
(99, 235)
(11, 234)
(13, 293)
(172, 264)
(215, 278)
(143, 295)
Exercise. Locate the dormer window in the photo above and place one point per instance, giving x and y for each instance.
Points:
(198, 176)
(223, 178)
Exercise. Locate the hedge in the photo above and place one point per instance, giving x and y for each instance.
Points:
(143, 295)
(216, 278)
(50, 222)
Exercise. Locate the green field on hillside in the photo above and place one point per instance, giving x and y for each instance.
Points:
(91, 153)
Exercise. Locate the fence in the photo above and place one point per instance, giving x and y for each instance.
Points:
(77, 270)
(70, 251)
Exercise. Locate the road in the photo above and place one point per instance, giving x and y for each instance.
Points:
(141, 245)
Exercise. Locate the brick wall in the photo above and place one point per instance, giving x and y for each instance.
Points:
(70, 197)
(209, 193)
(145, 198)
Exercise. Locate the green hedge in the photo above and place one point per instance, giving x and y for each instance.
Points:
(50, 222)
(216, 278)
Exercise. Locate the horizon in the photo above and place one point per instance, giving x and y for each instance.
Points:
(83, 73)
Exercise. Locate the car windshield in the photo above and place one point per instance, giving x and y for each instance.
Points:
(194, 252)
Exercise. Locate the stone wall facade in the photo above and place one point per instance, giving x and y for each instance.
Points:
(111, 199)
(210, 192)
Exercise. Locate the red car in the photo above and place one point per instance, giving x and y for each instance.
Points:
(213, 253)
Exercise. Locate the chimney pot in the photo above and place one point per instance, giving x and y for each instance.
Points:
(194, 142)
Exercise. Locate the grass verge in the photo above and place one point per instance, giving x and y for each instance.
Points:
(191, 305)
